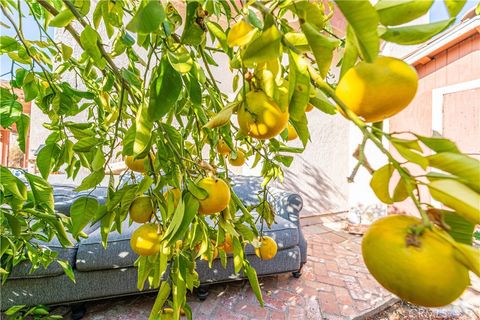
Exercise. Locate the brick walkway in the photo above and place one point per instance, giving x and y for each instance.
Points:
(335, 285)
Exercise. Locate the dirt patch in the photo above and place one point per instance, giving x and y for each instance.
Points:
(405, 311)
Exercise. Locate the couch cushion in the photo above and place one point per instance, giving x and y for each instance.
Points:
(91, 254)
(284, 232)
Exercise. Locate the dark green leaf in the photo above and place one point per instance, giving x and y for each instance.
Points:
(164, 89)
(86, 144)
(460, 229)
(82, 211)
(42, 191)
(22, 126)
(46, 158)
(193, 34)
(89, 39)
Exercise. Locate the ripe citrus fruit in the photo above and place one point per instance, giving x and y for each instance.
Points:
(260, 116)
(309, 107)
(223, 148)
(420, 269)
(227, 244)
(267, 249)
(292, 133)
(218, 195)
(137, 165)
(177, 194)
(145, 241)
(378, 90)
(141, 209)
(239, 160)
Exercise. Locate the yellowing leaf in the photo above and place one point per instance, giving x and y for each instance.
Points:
(240, 34)
(469, 256)
(457, 196)
(380, 183)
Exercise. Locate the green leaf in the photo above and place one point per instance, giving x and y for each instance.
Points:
(439, 144)
(350, 54)
(460, 229)
(322, 47)
(13, 310)
(190, 212)
(411, 156)
(82, 212)
(218, 33)
(92, 180)
(299, 89)
(89, 39)
(192, 34)
(310, 12)
(238, 255)
(85, 144)
(253, 279)
(148, 18)
(265, 47)
(380, 183)
(8, 44)
(395, 12)
(67, 268)
(457, 164)
(409, 144)
(62, 19)
(15, 224)
(165, 89)
(321, 102)
(363, 19)
(12, 184)
(144, 126)
(458, 197)
(454, 6)
(196, 191)
(222, 118)
(162, 296)
(180, 60)
(22, 126)
(176, 221)
(61, 232)
(46, 158)
(42, 191)
(416, 34)
(432, 176)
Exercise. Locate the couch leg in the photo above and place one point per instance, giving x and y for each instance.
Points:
(202, 292)
(78, 311)
(297, 274)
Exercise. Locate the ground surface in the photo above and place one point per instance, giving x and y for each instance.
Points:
(335, 285)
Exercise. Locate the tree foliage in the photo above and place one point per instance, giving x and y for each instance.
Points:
(139, 74)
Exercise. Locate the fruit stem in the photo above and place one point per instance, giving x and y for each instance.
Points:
(328, 90)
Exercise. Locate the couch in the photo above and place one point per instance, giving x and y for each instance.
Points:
(102, 273)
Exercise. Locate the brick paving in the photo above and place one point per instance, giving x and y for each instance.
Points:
(335, 284)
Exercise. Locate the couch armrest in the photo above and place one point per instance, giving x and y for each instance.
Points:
(286, 204)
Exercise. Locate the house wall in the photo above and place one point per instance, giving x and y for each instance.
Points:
(447, 101)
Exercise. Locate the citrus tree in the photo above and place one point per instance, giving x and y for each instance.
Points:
(144, 87)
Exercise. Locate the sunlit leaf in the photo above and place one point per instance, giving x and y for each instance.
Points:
(363, 19)
(395, 12)
(454, 6)
(240, 34)
(264, 48)
(416, 34)
(82, 211)
(148, 18)
(458, 197)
